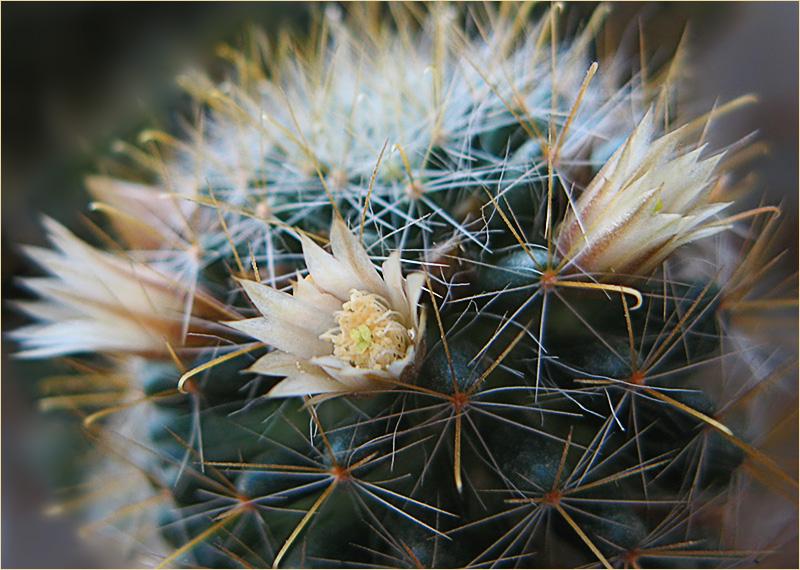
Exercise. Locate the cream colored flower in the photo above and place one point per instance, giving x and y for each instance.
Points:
(94, 301)
(145, 217)
(344, 328)
(651, 197)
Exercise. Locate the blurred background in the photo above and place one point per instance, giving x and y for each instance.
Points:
(77, 76)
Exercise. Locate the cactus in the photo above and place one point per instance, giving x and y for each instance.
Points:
(426, 289)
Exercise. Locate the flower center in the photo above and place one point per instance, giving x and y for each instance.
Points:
(369, 334)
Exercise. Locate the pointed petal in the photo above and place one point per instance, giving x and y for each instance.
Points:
(307, 291)
(283, 336)
(139, 213)
(347, 248)
(354, 379)
(303, 384)
(393, 276)
(330, 274)
(414, 285)
(278, 363)
(282, 306)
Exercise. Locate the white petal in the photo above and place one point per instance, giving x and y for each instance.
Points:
(84, 335)
(347, 248)
(282, 306)
(305, 384)
(330, 274)
(307, 291)
(283, 336)
(278, 363)
(414, 284)
(144, 219)
(393, 276)
(104, 277)
(357, 379)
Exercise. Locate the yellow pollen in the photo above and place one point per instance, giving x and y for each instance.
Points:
(369, 334)
(363, 337)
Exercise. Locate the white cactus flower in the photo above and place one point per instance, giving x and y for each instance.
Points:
(96, 301)
(144, 216)
(344, 328)
(651, 197)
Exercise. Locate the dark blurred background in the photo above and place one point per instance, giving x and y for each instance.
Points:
(77, 76)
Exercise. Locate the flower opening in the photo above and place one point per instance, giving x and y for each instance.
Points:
(344, 327)
(369, 334)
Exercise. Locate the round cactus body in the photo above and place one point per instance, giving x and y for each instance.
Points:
(422, 291)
